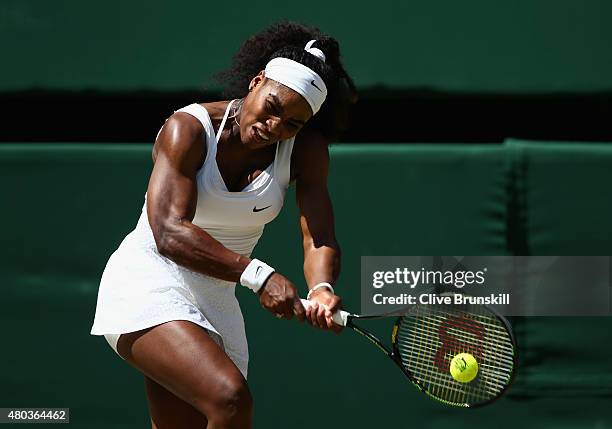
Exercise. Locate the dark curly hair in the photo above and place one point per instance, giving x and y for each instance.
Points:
(287, 39)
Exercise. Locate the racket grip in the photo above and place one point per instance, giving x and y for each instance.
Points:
(340, 317)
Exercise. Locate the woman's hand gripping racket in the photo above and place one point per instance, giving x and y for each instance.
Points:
(462, 355)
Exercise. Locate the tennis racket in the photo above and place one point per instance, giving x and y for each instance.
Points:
(425, 338)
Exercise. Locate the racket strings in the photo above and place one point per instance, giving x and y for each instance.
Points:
(432, 335)
(433, 372)
(451, 343)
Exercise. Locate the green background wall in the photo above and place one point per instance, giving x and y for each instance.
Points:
(474, 46)
(68, 207)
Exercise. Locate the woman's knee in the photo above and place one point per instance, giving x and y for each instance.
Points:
(230, 402)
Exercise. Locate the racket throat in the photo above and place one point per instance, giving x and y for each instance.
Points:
(373, 339)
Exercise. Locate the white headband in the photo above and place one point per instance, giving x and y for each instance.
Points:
(300, 78)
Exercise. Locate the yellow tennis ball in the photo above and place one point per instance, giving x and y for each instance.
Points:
(463, 367)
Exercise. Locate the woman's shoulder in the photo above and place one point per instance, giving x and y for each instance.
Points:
(182, 133)
(184, 130)
(196, 115)
(309, 142)
(310, 150)
(216, 111)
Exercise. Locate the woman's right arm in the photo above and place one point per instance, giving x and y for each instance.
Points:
(171, 205)
(172, 198)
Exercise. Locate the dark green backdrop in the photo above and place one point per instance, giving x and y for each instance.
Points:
(475, 46)
(68, 206)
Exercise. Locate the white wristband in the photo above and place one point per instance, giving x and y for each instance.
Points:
(255, 275)
(319, 286)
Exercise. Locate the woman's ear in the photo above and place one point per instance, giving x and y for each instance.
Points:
(257, 80)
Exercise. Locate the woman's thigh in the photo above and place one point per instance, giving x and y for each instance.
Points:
(183, 359)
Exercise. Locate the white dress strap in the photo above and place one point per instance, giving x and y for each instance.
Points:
(220, 130)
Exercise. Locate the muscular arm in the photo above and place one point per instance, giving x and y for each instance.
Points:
(172, 198)
(321, 250)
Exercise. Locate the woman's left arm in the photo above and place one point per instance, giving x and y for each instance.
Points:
(321, 250)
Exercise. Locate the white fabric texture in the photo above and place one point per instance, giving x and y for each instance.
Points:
(300, 78)
(141, 288)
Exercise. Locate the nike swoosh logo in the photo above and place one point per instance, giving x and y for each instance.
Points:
(255, 209)
(315, 85)
(257, 271)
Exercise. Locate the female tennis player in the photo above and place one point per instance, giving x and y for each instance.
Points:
(166, 302)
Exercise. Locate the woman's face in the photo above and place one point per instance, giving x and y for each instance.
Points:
(271, 112)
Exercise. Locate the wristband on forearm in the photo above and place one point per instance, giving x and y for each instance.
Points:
(255, 275)
(319, 286)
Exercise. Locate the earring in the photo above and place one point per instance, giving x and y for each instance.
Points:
(237, 110)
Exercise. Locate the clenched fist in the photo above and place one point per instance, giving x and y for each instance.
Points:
(279, 296)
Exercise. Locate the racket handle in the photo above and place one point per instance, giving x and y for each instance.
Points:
(340, 317)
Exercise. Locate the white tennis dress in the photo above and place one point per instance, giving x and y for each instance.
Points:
(141, 288)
